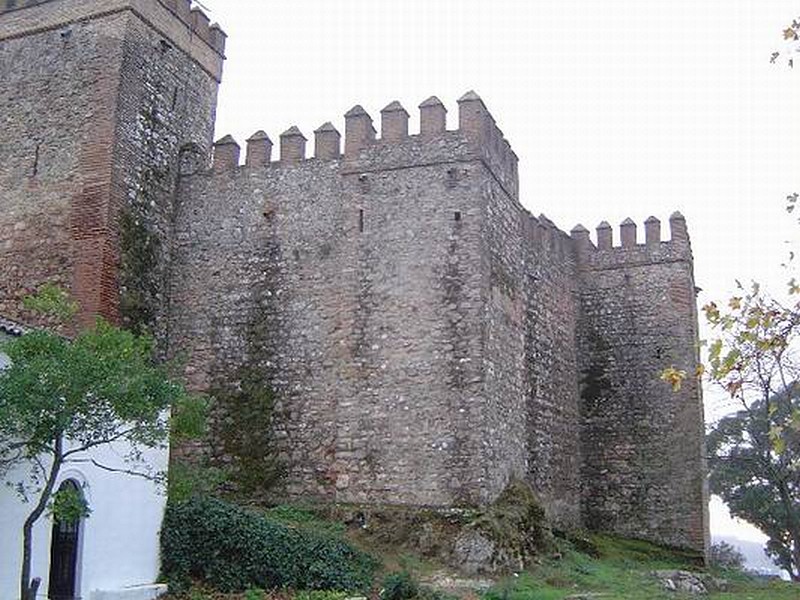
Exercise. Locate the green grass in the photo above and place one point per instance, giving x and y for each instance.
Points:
(305, 518)
(623, 571)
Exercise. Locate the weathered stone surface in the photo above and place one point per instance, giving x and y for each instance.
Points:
(474, 552)
(687, 582)
(429, 340)
(643, 473)
(102, 102)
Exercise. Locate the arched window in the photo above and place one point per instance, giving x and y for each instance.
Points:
(64, 553)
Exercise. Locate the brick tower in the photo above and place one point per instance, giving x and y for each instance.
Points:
(99, 97)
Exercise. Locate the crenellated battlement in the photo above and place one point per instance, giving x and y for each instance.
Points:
(546, 239)
(477, 137)
(182, 24)
(605, 254)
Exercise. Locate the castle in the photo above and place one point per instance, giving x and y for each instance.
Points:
(428, 339)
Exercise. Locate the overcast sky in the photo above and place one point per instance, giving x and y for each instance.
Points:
(616, 108)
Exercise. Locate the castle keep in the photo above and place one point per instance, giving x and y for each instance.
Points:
(428, 339)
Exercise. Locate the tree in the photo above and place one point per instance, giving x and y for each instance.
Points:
(791, 39)
(62, 398)
(754, 453)
(754, 457)
(759, 484)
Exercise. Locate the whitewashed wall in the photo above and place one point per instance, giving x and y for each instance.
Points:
(120, 537)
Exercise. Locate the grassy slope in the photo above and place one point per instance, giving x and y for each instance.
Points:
(620, 571)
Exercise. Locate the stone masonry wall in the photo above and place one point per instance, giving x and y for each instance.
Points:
(553, 429)
(531, 364)
(166, 103)
(428, 339)
(100, 103)
(60, 91)
(643, 472)
(357, 283)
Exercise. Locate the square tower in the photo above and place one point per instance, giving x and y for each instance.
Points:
(99, 97)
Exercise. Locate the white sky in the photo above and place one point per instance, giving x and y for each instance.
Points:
(616, 108)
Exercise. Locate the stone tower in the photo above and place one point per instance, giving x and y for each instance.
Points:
(429, 339)
(99, 97)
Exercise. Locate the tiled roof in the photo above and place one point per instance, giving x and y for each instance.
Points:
(10, 327)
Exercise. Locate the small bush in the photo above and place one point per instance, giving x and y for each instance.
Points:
(399, 586)
(723, 555)
(320, 595)
(254, 594)
(233, 549)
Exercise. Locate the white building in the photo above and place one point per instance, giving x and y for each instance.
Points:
(111, 554)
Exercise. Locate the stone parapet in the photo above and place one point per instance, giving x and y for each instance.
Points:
(477, 138)
(630, 252)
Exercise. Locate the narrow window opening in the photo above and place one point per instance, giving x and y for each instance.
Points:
(361, 220)
(174, 98)
(457, 215)
(36, 160)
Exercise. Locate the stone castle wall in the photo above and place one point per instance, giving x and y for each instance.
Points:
(428, 339)
(643, 471)
(101, 95)
(358, 282)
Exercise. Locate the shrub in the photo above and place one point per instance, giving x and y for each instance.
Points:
(399, 586)
(254, 594)
(233, 549)
(320, 595)
(725, 556)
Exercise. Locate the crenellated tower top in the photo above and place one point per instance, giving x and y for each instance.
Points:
(477, 137)
(604, 254)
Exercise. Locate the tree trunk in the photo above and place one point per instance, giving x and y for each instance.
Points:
(28, 588)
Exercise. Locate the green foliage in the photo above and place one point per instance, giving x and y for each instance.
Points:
(140, 250)
(51, 300)
(69, 505)
(232, 549)
(516, 523)
(320, 595)
(61, 398)
(755, 453)
(402, 586)
(399, 586)
(189, 418)
(758, 482)
(305, 518)
(245, 430)
(100, 387)
(259, 594)
(188, 480)
(622, 571)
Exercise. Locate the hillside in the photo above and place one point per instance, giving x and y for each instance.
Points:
(592, 567)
